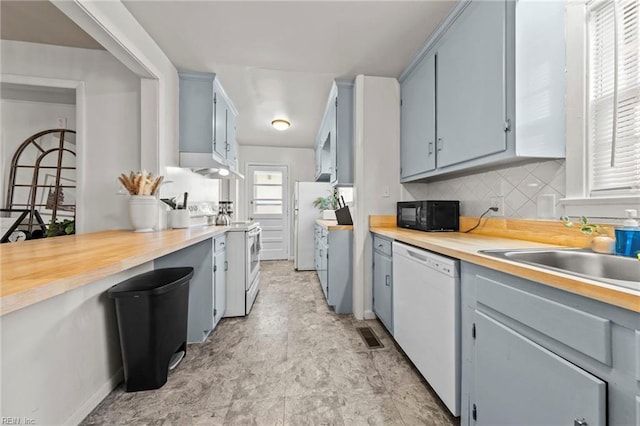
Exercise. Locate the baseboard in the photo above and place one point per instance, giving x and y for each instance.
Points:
(96, 398)
(369, 315)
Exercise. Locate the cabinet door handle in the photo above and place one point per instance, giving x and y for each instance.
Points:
(440, 143)
(380, 245)
(387, 280)
(430, 148)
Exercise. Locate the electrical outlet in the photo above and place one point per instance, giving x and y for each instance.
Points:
(497, 202)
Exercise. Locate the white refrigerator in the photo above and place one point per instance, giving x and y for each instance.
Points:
(304, 219)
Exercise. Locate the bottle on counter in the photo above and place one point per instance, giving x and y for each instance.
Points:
(628, 236)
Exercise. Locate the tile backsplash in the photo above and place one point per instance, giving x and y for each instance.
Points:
(531, 190)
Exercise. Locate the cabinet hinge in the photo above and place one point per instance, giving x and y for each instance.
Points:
(474, 412)
(215, 268)
(215, 312)
(473, 330)
(507, 125)
(336, 102)
(400, 102)
(215, 98)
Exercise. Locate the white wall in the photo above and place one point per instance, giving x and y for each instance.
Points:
(61, 357)
(20, 119)
(525, 187)
(301, 163)
(377, 171)
(113, 26)
(110, 143)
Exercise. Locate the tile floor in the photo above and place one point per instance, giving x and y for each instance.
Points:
(291, 361)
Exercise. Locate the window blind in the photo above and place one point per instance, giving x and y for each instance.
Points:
(614, 96)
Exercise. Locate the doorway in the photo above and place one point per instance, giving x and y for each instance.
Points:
(269, 204)
(38, 148)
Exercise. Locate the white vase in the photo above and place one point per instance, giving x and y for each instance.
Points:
(329, 214)
(143, 212)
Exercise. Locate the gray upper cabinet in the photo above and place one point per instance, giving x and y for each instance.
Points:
(220, 124)
(498, 93)
(336, 130)
(418, 120)
(323, 155)
(207, 122)
(471, 94)
(196, 112)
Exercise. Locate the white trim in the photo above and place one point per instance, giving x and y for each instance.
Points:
(78, 86)
(578, 201)
(95, 399)
(285, 197)
(92, 20)
(369, 315)
(610, 207)
(362, 257)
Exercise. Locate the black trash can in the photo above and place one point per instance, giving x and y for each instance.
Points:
(152, 310)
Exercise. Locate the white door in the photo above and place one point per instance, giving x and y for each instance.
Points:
(268, 204)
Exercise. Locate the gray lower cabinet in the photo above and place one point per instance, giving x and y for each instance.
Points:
(537, 355)
(334, 253)
(383, 281)
(220, 267)
(201, 287)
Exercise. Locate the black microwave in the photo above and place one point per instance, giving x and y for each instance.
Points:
(429, 215)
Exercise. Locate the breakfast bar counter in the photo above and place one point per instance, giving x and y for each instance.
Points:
(36, 270)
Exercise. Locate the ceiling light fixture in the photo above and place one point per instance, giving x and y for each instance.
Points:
(280, 124)
(223, 172)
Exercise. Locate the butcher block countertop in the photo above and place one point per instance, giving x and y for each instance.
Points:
(467, 246)
(332, 225)
(36, 270)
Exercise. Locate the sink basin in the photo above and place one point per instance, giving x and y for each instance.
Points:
(617, 270)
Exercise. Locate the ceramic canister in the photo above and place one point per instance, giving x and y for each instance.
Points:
(143, 212)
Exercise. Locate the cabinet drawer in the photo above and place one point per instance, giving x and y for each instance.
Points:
(220, 244)
(579, 330)
(382, 245)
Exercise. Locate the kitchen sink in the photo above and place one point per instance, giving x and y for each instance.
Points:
(616, 270)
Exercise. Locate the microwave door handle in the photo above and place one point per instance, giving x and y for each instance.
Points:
(418, 214)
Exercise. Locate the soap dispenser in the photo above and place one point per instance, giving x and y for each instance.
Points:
(628, 237)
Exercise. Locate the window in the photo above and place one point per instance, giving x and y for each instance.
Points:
(614, 96)
(602, 107)
(267, 192)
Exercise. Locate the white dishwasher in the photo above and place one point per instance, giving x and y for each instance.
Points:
(426, 317)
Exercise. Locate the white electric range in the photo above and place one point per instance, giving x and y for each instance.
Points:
(244, 241)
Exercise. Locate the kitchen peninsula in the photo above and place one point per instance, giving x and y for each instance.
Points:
(59, 330)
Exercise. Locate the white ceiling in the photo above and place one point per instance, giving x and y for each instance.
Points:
(278, 58)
